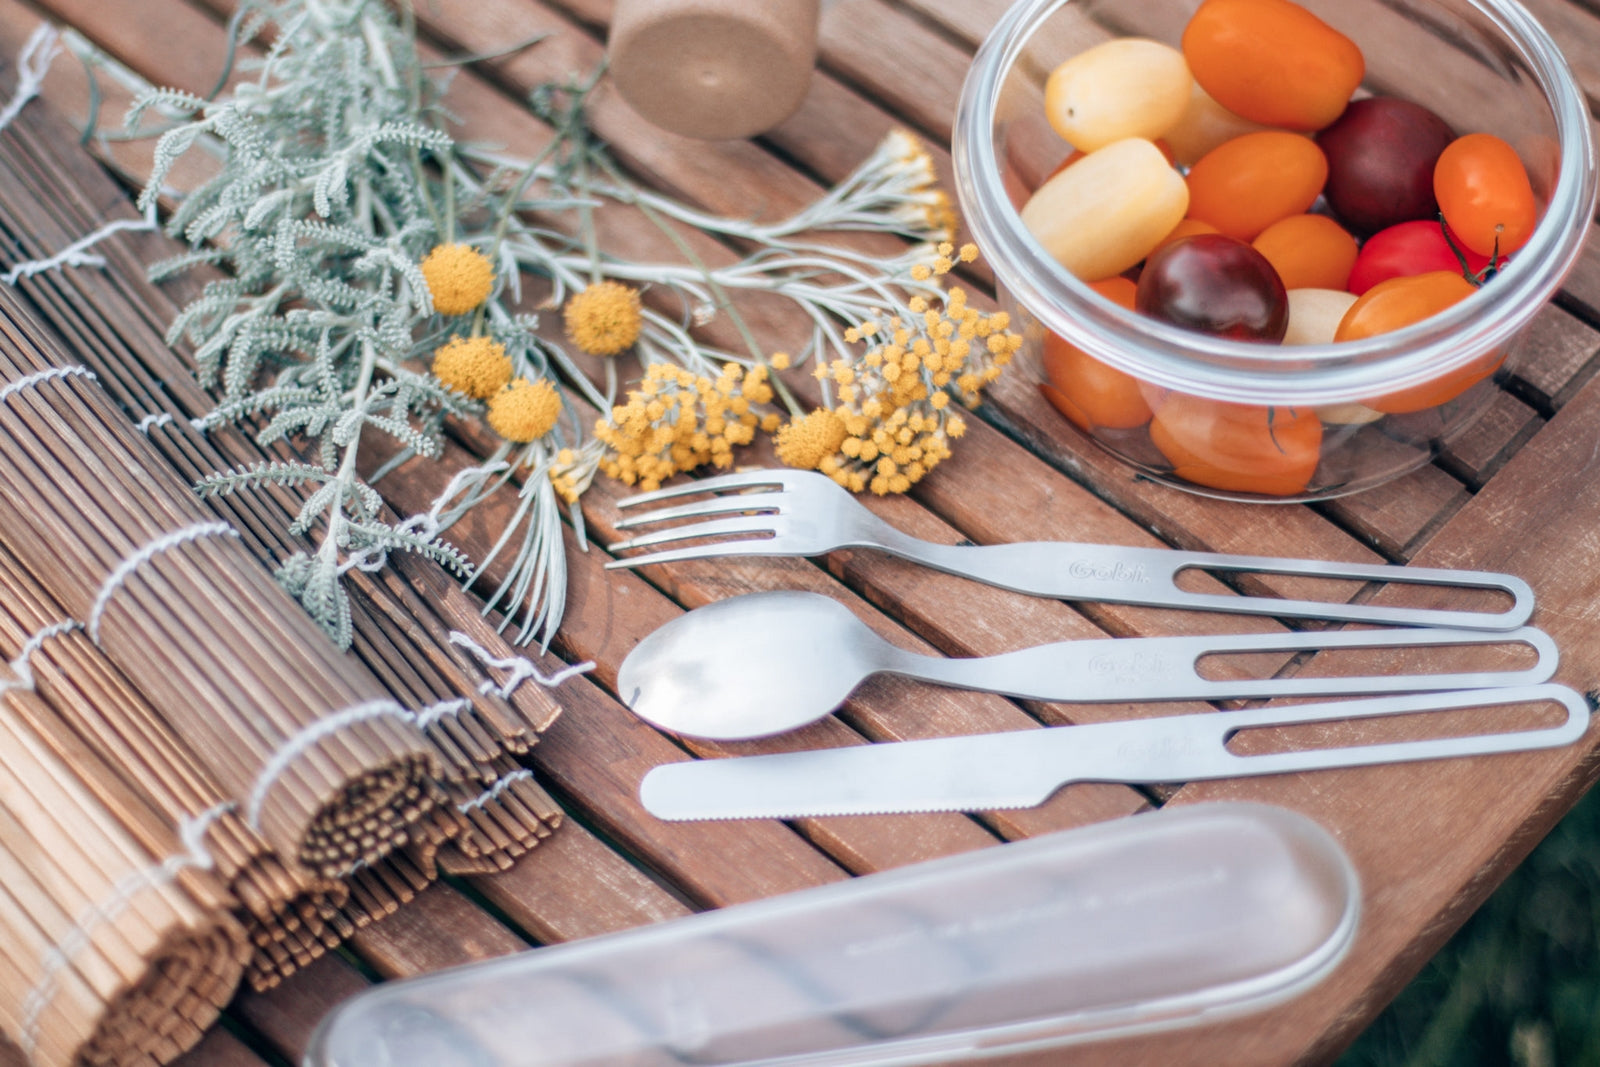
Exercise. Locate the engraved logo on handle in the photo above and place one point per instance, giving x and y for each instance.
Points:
(1132, 573)
(1127, 669)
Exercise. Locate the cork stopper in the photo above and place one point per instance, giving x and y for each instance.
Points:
(713, 69)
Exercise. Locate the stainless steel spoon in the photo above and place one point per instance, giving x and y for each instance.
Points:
(763, 663)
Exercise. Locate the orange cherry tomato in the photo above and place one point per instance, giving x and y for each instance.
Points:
(1245, 185)
(1400, 302)
(1238, 448)
(1088, 392)
(1185, 228)
(1272, 61)
(1484, 194)
(1309, 251)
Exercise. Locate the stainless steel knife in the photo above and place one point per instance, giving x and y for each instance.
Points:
(1023, 768)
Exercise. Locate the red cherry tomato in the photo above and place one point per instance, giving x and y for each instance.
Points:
(1484, 194)
(1400, 302)
(1238, 448)
(1088, 392)
(1215, 284)
(1407, 249)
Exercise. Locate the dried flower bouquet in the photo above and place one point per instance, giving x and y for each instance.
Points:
(372, 270)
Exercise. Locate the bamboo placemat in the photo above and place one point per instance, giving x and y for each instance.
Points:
(304, 793)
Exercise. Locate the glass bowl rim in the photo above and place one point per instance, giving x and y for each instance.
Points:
(1173, 358)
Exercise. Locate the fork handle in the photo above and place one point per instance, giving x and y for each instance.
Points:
(1126, 575)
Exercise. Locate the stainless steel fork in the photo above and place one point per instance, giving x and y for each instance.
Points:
(803, 513)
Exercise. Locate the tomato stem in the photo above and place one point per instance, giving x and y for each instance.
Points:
(1477, 278)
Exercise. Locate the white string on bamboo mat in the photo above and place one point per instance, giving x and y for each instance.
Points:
(426, 717)
(302, 740)
(164, 543)
(20, 665)
(28, 381)
(493, 792)
(77, 254)
(150, 422)
(191, 832)
(41, 49)
(521, 668)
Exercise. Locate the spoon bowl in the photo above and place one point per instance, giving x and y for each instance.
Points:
(760, 664)
(749, 666)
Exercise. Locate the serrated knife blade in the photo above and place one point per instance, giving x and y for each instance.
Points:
(1023, 768)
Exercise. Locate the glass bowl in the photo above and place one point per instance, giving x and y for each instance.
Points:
(1273, 422)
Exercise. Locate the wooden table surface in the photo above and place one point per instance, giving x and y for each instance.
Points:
(1519, 492)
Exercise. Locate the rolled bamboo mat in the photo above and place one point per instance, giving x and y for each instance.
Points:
(322, 765)
(111, 952)
(113, 320)
(89, 709)
(51, 193)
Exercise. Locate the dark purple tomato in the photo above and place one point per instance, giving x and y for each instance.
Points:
(1410, 248)
(1381, 153)
(1214, 284)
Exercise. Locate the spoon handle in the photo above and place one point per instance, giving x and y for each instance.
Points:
(1168, 668)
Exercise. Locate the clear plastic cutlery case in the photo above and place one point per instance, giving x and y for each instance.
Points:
(1165, 919)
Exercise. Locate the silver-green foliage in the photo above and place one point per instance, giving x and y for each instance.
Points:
(317, 218)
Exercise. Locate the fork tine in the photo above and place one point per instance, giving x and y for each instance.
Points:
(747, 524)
(737, 480)
(673, 555)
(717, 505)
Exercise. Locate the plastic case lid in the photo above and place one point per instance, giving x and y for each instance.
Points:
(1165, 919)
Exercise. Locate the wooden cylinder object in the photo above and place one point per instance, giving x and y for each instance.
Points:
(713, 69)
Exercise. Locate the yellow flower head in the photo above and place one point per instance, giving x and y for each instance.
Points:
(806, 441)
(476, 366)
(604, 319)
(524, 410)
(459, 278)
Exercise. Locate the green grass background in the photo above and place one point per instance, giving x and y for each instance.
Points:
(1520, 982)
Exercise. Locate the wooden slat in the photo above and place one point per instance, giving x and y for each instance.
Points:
(439, 928)
(286, 1016)
(1397, 516)
(1561, 353)
(577, 887)
(1479, 453)
(219, 1048)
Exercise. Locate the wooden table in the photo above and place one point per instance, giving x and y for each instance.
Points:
(1520, 492)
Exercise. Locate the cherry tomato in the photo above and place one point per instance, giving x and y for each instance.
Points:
(1272, 61)
(1104, 213)
(1215, 284)
(1407, 249)
(1087, 391)
(1204, 125)
(1484, 194)
(1400, 302)
(1239, 448)
(1381, 153)
(1245, 185)
(1308, 251)
(1124, 87)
